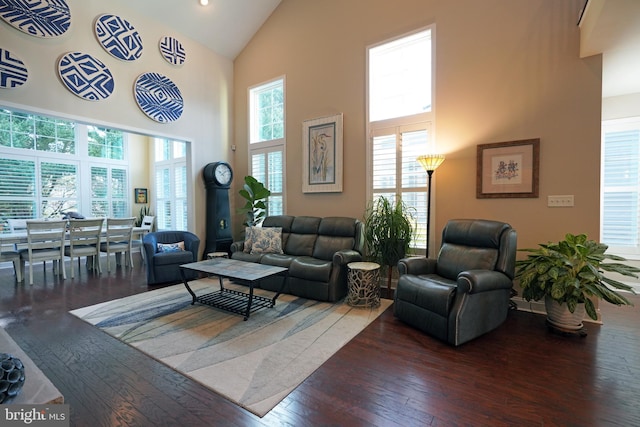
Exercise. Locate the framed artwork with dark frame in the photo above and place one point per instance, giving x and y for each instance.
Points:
(140, 195)
(322, 155)
(508, 169)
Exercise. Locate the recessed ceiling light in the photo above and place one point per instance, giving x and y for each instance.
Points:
(204, 2)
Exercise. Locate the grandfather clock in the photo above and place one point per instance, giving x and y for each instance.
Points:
(217, 180)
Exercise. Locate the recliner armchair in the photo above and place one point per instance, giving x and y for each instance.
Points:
(163, 267)
(465, 292)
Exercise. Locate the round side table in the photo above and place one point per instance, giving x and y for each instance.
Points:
(364, 284)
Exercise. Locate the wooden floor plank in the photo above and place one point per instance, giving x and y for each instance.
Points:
(389, 375)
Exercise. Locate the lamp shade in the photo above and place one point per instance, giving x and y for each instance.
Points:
(430, 162)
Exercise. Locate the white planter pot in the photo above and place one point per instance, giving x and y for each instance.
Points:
(559, 315)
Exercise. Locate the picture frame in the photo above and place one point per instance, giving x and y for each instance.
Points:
(322, 155)
(508, 169)
(141, 196)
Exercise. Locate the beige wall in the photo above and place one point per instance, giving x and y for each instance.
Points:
(205, 81)
(505, 70)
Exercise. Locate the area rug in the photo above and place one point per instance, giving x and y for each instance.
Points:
(254, 363)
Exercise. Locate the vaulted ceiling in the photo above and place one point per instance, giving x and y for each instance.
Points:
(612, 28)
(224, 26)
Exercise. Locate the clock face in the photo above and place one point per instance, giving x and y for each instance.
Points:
(222, 174)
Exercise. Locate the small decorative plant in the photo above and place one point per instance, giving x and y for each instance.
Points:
(388, 231)
(144, 211)
(571, 272)
(255, 208)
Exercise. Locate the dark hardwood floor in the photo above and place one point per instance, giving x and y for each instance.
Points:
(389, 375)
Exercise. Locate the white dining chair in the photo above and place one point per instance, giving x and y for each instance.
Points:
(84, 240)
(45, 242)
(11, 255)
(118, 240)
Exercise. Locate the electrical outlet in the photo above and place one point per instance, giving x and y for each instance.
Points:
(560, 201)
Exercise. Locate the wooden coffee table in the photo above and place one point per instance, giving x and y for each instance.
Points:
(246, 273)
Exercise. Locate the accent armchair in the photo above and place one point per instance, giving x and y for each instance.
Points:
(165, 251)
(465, 292)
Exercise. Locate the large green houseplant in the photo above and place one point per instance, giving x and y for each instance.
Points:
(388, 230)
(255, 207)
(572, 272)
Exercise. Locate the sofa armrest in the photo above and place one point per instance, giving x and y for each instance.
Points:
(416, 265)
(345, 256)
(476, 281)
(237, 246)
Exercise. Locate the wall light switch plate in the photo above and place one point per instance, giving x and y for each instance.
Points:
(565, 201)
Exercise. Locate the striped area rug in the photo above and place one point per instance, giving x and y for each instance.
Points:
(254, 363)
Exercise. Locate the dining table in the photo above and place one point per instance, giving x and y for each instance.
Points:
(20, 237)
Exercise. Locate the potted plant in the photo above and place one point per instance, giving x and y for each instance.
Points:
(255, 208)
(388, 230)
(568, 274)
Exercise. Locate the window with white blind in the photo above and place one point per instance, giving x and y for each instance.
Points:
(400, 122)
(620, 184)
(267, 140)
(50, 166)
(171, 185)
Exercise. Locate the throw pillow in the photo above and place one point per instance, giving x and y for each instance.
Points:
(171, 247)
(248, 241)
(267, 240)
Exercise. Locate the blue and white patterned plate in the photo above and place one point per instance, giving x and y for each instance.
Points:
(118, 37)
(85, 76)
(39, 18)
(172, 50)
(158, 97)
(13, 72)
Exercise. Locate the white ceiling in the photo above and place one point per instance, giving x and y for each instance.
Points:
(224, 26)
(612, 27)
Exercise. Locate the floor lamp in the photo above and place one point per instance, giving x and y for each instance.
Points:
(430, 163)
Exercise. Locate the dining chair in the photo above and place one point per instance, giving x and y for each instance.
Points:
(84, 240)
(118, 240)
(12, 255)
(45, 242)
(17, 225)
(146, 226)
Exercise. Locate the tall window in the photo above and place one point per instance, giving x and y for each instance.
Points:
(267, 140)
(171, 184)
(400, 121)
(620, 185)
(49, 166)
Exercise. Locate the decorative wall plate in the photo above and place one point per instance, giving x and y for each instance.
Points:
(13, 72)
(85, 76)
(158, 97)
(172, 50)
(118, 37)
(39, 18)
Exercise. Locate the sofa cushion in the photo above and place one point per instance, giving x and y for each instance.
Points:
(310, 268)
(300, 244)
(453, 259)
(177, 257)
(266, 240)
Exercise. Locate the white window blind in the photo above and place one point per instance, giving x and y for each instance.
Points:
(396, 173)
(620, 186)
(17, 188)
